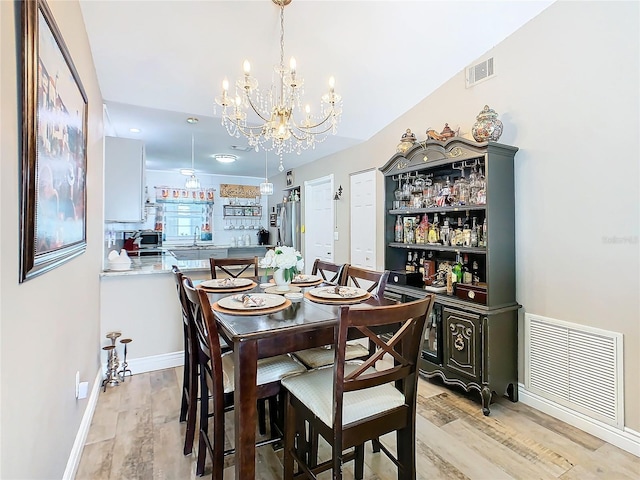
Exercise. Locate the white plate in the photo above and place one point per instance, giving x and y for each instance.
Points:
(270, 302)
(306, 279)
(218, 283)
(330, 292)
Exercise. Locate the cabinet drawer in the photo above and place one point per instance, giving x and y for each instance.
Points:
(462, 342)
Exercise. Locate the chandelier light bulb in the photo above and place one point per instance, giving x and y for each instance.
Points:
(292, 65)
(332, 83)
(225, 85)
(307, 109)
(246, 66)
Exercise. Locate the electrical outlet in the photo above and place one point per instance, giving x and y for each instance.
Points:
(77, 384)
(83, 390)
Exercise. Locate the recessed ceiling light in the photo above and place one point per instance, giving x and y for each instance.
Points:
(192, 120)
(187, 171)
(134, 130)
(225, 158)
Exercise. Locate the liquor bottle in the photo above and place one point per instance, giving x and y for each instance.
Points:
(456, 271)
(433, 335)
(422, 230)
(421, 265)
(434, 231)
(467, 276)
(485, 233)
(416, 262)
(409, 266)
(475, 273)
(474, 233)
(409, 230)
(399, 230)
(445, 232)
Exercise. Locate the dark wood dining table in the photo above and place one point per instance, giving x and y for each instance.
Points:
(301, 325)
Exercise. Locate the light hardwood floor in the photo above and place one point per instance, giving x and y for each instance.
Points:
(135, 434)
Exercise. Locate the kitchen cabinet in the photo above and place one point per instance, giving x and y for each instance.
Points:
(451, 190)
(123, 180)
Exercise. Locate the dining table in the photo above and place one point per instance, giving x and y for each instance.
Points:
(302, 324)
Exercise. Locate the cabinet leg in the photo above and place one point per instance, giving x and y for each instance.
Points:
(486, 400)
(512, 392)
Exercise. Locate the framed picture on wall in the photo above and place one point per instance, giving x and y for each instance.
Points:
(289, 178)
(54, 147)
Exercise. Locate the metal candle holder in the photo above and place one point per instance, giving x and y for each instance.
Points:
(123, 371)
(113, 363)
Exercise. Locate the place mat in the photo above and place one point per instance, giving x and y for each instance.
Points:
(228, 290)
(256, 311)
(337, 301)
(292, 289)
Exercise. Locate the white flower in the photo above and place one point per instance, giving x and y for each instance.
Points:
(286, 258)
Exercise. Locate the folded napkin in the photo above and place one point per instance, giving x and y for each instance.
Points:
(227, 282)
(250, 301)
(345, 292)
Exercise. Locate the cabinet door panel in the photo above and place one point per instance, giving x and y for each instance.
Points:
(462, 342)
(123, 179)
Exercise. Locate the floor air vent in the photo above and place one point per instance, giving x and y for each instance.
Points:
(575, 366)
(479, 72)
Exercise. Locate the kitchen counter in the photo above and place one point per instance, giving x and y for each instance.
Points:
(146, 265)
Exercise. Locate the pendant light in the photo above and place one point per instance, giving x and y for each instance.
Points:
(192, 183)
(266, 188)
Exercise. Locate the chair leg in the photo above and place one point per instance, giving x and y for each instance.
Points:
(359, 462)
(314, 440)
(217, 459)
(337, 461)
(289, 437)
(204, 427)
(192, 410)
(375, 445)
(406, 453)
(262, 416)
(185, 381)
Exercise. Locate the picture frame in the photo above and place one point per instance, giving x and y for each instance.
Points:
(289, 178)
(53, 196)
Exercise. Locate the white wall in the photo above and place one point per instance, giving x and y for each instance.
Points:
(567, 92)
(50, 323)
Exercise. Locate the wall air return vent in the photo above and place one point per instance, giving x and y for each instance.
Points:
(479, 72)
(576, 366)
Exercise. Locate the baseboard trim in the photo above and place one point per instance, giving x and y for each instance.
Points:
(137, 365)
(81, 437)
(156, 362)
(626, 439)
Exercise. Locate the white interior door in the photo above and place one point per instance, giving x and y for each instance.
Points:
(363, 220)
(318, 218)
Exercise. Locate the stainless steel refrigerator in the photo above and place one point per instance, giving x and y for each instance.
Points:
(288, 224)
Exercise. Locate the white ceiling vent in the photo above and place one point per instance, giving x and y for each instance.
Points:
(479, 72)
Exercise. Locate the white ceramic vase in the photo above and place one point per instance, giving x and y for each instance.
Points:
(282, 285)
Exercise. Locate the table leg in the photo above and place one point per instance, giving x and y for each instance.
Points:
(245, 355)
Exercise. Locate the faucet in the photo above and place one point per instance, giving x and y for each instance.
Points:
(196, 232)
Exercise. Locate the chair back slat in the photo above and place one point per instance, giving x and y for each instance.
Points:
(223, 265)
(407, 320)
(330, 272)
(355, 275)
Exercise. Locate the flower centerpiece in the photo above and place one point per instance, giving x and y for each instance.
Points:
(287, 262)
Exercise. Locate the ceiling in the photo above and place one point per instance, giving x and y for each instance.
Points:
(159, 62)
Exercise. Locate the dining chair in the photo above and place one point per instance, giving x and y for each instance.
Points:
(352, 402)
(223, 264)
(330, 272)
(374, 282)
(188, 404)
(217, 382)
(321, 356)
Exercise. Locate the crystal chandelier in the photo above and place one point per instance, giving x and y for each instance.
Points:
(278, 121)
(266, 188)
(192, 183)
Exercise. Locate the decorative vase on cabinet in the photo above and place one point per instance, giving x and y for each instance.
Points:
(476, 325)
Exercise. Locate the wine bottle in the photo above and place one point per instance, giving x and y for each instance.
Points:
(467, 276)
(409, 266)
(456, 271)
(474, 234)
(399, 230)
(485, 233)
